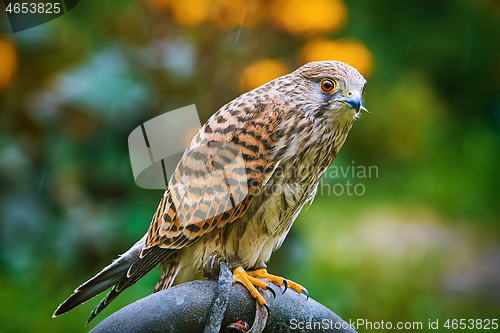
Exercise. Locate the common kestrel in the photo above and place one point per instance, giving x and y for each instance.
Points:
(241, 183)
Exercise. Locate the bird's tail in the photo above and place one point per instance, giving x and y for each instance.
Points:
(120, 274)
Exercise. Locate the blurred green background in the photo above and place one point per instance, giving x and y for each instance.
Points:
(421, 243)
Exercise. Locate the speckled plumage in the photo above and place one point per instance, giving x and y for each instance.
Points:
(242, 181)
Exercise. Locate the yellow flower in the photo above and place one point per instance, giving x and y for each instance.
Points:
(308, 17)
(351, 52)
(261, 72)
(190, 12)
(8, 63)
(230, 13)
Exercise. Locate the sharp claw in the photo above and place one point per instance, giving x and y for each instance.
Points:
(285, 283)
(268, 309)
(272, 291)
(304, 290)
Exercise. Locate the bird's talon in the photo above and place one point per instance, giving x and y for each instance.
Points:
(250, 283)
(268, 309)
(285, 283)
(263, 274)
(272, 291)
(304, 290)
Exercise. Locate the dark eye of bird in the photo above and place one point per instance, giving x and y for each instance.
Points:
(327, 85)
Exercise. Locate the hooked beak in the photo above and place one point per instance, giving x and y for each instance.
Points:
(353, 100)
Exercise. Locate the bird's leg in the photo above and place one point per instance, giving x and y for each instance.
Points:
(211, 267)
(211, 270)
(241, 276)
(262, 273)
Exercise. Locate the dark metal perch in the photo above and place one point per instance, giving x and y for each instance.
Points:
(210, 306)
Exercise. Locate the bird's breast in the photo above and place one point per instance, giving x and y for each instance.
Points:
(303, 156)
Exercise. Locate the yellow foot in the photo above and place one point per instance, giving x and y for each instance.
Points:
(263, 274)
(243, 277)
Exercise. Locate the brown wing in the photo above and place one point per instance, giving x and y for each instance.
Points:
(230, 158)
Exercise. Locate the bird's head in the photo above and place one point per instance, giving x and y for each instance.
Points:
(328, 89)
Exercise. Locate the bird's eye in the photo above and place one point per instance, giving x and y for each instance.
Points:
(327, 85)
